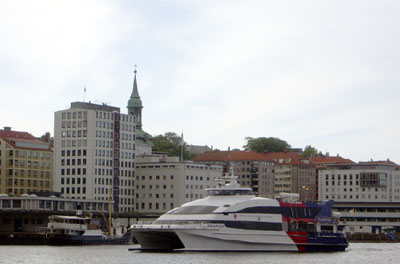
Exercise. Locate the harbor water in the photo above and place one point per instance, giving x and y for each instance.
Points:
(364, 253)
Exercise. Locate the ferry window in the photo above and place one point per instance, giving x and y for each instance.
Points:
(311, 227)
(327, 228)
(293, 226)
(194, 210)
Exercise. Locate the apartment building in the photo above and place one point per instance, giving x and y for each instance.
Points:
(252, 168)
(26, 163)
(293, 174)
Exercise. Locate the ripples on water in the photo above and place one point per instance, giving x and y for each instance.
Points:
(377, 253)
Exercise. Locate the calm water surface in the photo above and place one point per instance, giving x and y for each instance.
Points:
(377, 253)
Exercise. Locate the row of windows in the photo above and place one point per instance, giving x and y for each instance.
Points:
(157, 177)
(16, 191)
(164, 186)
(73, 189)
(356, 196)
(29, 173)
(195, 187)
(201, 167)
(356, 183)
(74, 171)
(333, 189)
(29, 183)
(109, 153)
(104, 124)
(339, 177)
(73, 134)
(74, 124)
(156, 206)
(73, 143)
(73, 180)
(102, 181)
(73, 153)
(74, 115)
(156, 195)
(104, 134)
(29, 154)
(30, 164)
(73, 162)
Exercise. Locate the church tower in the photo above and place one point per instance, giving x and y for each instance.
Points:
(144, 145)
(135, 104)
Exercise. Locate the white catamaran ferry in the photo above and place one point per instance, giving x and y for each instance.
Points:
(231, 218)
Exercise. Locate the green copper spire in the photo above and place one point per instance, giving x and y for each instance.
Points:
(135, 104)
(143, 139)
(135, 100)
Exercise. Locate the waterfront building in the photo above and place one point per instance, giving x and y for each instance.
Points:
(26, 163)
(163, 183)
(321, 162)
(143, 143)
(366, 193)
(95, 149)
(252, 168)
(95, 154)
(293, 174)
(29, 213)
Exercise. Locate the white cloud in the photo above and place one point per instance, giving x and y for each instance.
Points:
(324, 74)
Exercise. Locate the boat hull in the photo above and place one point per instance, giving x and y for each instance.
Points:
(64, 240)
(228, 239)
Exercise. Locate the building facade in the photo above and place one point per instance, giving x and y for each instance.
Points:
(367, 194)
(27, 213)
(26, 164)
(163, 183)
(361, 182)
(252, 169)
(95, 154)
(294, 174)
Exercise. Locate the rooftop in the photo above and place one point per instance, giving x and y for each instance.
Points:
(24, 140)
(234, 155)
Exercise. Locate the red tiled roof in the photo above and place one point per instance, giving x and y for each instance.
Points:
(324, 160)
(16, 136)
(233, 155)
(387, 162)
(286, 157)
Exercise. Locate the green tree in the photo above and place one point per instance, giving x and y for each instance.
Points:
(310, 151)
(171, 143)
(262, 144)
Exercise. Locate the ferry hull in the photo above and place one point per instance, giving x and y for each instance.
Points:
(162, 239)
(69, 240)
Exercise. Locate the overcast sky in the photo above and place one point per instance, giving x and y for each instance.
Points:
(320, 73)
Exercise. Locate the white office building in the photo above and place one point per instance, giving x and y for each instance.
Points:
(94, 154)
(163, 183)
(367, 194)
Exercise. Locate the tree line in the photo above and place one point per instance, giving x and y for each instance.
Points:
(172, 144)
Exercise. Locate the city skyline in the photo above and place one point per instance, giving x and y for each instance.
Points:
(310, 74)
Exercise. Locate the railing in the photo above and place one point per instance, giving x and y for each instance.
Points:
(178, 225)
